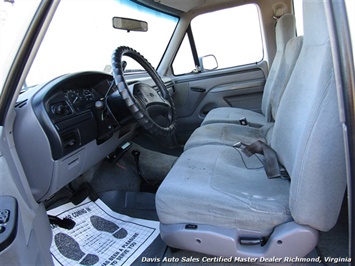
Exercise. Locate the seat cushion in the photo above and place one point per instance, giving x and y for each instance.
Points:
(232, 115)
(223, 188)
(227, 134)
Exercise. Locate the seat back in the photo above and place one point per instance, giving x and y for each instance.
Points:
(287, 65)
(307, 134)
(285, 30)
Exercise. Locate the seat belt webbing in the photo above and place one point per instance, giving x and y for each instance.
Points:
(271, 163)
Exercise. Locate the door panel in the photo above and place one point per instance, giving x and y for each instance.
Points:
(197, 94)
(25, 237)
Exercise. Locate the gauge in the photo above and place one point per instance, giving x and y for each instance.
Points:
(73, 96)
(88, 95)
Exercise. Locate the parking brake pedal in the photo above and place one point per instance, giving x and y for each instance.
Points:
(84, 191)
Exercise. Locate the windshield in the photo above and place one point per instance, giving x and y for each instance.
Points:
(81, 38)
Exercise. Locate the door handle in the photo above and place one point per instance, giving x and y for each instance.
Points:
(196, 89)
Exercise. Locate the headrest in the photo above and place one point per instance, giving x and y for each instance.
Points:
(285, 30)
(314, 22)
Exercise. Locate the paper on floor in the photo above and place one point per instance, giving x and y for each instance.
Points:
(100, 236)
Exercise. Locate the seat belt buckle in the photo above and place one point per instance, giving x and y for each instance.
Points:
(243, 121)
(240, 145)
(283, 173)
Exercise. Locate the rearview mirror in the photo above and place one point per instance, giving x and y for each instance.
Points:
(129, 24)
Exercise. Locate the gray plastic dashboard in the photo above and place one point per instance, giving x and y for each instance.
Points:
(66, 126)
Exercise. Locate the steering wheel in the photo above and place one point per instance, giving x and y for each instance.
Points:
(152, 107)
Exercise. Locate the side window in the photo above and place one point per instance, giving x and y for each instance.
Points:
(184, 61)
(231, 36)
(297, 5)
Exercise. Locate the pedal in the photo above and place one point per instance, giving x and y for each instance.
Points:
(84, 191)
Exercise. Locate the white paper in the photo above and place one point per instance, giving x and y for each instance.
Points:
(100, 236)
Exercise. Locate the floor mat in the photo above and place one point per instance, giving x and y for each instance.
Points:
(100, 236)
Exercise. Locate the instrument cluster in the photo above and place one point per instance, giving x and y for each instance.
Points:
(79, 98)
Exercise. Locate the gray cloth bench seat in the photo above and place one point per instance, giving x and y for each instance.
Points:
(217, 201)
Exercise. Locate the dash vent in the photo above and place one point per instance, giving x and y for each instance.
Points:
(70, 140)
(21, 104)
(169, 84)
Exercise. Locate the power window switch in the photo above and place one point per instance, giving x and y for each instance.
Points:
(4, 216)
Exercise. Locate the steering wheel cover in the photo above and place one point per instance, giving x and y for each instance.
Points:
(140, 115)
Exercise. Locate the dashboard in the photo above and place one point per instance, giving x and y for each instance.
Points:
(80, 107)
(67, 126)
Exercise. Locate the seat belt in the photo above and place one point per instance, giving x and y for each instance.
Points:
(243, 121)
(271, 163)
